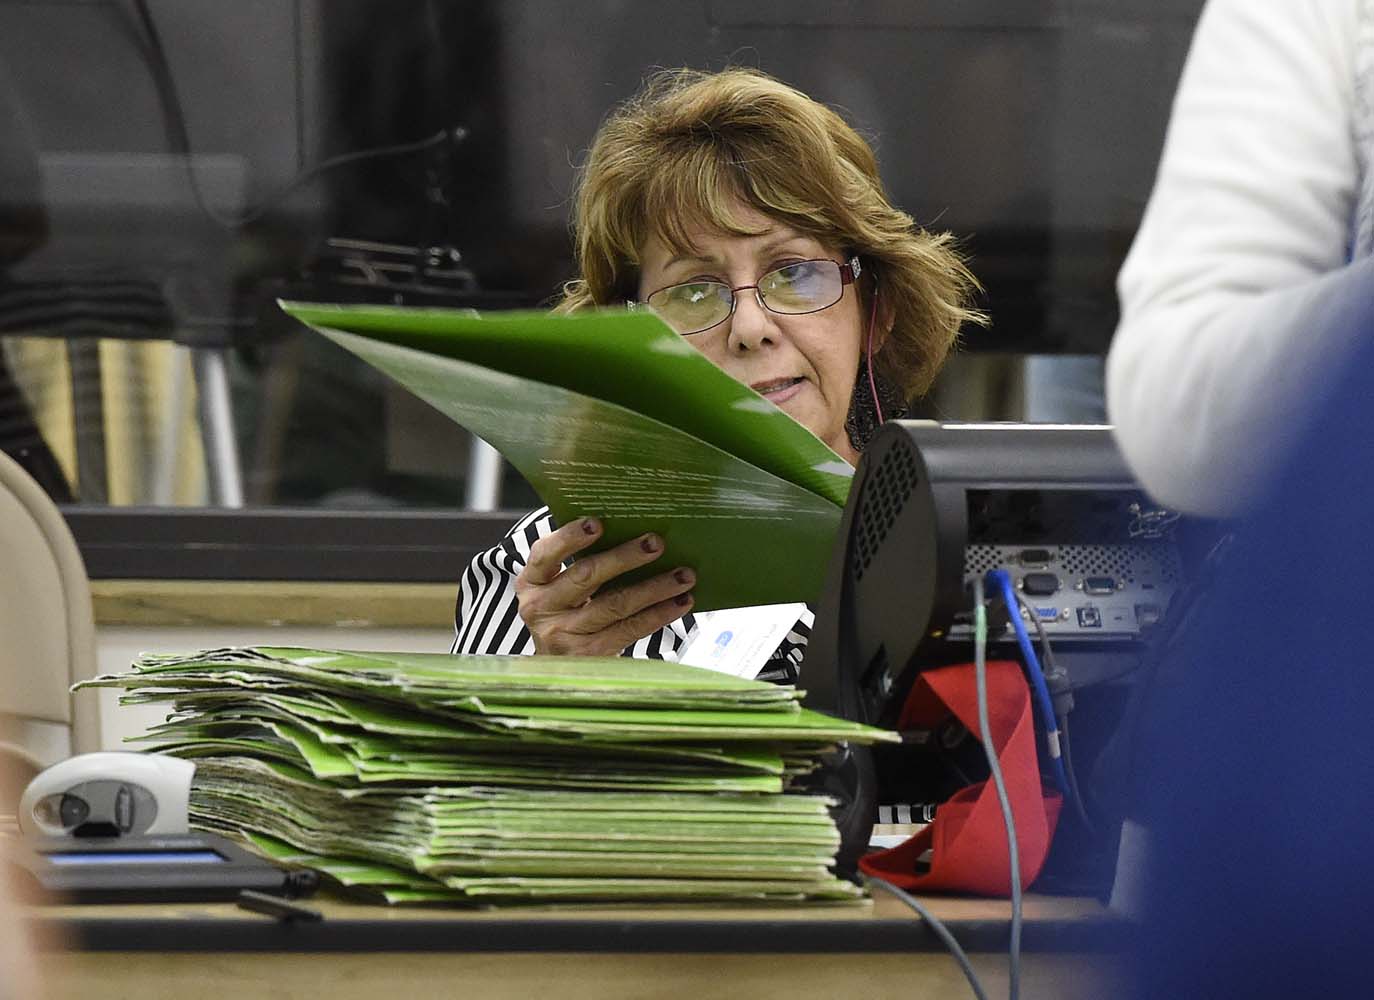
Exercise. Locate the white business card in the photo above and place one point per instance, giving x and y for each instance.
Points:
(739, 641)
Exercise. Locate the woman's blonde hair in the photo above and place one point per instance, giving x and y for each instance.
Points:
(692, 144)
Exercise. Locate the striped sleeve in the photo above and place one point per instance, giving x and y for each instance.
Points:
(784, 666)
(486, 616)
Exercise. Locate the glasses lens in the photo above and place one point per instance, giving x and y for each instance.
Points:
(693, 307)
(807, 286)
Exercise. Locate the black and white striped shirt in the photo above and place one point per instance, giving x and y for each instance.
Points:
(487, 620)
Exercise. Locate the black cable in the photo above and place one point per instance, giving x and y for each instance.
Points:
(938, 927)
(1081, 807)
(980, 672)
(440, 193)
(179, 138)
(455, 134)
(1046, 653)
(1051, 668)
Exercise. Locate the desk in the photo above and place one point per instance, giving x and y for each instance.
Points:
(869, 951)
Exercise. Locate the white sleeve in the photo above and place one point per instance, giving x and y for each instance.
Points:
(487, 615)
(1236, 294)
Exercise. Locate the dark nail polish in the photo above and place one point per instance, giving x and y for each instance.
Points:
(591, 526)
(683, 576)
(682, 600)
(651, 543)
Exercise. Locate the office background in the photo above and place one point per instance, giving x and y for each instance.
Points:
(1030, 130)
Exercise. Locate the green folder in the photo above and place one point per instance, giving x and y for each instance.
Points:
(612, 414)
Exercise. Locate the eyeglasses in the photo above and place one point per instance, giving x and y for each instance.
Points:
(792, 290)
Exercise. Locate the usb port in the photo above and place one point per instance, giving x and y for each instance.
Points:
(1147, 614)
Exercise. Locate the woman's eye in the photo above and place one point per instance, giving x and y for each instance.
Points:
(785, 267)
(790, 273)
(694, 291)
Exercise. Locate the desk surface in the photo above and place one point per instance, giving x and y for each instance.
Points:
(359, 952)
(362, 952)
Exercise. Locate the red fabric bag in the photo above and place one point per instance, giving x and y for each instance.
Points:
(968, 839)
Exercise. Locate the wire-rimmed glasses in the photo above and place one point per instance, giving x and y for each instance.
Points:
(805, 286)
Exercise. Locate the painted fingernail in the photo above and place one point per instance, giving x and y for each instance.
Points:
(683, 576)
(682, 600)
(651, 543)
(591, 526)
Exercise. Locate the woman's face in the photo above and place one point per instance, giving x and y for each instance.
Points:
(807, 364)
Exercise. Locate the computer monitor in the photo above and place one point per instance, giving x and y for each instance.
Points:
(933, 506)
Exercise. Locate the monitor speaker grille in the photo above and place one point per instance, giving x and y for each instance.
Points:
(886, 493)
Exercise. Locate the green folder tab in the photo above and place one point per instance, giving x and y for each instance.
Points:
(609, 413)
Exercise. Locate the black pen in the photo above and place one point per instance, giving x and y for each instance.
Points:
(276, 906)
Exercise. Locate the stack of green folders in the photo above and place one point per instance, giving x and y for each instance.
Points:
(433, 778)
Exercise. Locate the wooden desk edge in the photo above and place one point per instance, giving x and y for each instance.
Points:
(272, 603)
(810, 929)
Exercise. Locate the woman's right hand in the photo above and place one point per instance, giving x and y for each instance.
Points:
(564, 612)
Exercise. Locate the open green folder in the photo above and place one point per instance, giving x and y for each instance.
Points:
(612, 414)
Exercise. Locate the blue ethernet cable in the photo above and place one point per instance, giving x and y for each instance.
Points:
(1000, 580)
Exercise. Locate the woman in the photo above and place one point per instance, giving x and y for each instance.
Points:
(752, 219)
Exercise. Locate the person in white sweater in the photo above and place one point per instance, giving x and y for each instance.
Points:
(1251, 276)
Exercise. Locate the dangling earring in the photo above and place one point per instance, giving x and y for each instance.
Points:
(862, 421)
(875, 399)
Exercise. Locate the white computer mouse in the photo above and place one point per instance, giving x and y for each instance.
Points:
(113, 792)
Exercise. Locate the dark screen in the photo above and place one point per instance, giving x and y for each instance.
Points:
(1030, 130)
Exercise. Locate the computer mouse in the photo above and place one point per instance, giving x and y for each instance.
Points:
(110, 793)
